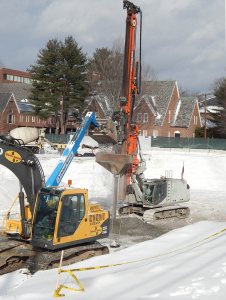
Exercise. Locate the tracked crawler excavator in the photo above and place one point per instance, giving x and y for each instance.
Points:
(150, 198)
(55, 217)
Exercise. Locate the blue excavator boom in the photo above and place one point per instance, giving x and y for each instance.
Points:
(71, 150)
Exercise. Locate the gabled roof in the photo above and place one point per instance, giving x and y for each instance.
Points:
(4, 98)
(183, 118)
(162, 91)
(151, 103)
(20, 90)
(102, 101)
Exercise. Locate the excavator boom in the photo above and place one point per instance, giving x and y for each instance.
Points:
(70, 151)
(25, 165)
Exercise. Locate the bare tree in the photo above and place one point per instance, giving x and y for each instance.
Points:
(148, 73)
(106, 71)
(220, 117)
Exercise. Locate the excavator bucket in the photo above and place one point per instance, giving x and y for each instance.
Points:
(103, 138)
(117, 164)
(106, 132)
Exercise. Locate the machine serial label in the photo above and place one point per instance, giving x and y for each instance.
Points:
(13, 156)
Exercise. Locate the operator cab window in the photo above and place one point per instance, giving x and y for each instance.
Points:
(148, 193)
(159, 193)
(45, 219)
(72, 212)
(155, 193)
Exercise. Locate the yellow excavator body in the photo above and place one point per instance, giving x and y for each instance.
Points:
(64, 217)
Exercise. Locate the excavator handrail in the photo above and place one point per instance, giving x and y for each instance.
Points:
(6, 216)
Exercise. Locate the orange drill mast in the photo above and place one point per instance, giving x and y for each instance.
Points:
(131, 83)
(124, 160)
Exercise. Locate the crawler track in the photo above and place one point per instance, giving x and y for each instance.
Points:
(15, 254)
(151, 214)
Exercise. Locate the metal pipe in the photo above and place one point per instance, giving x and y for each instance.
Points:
(115, 199)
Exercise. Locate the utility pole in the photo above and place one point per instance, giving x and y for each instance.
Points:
(205, 117)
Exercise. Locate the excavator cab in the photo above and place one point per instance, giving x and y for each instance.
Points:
(63, 217)
(155, 191)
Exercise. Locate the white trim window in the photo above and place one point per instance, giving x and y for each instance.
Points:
(139, 118)
(21, 118)
(27, 119)
(11, 119)
(33, 119)
(145, 118)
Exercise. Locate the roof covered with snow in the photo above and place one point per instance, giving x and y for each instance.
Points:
(25, 107)
(185, 111)
(162, 91)
(213, 109)
(103, 102)
(151, 103)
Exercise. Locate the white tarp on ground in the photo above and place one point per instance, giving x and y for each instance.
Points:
(174, 266)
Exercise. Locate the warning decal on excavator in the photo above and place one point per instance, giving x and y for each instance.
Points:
(13, 156)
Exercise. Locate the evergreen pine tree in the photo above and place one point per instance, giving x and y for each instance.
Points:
(59, 80)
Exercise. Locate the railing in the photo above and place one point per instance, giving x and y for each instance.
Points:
(58, 138)
(162, 142)
(189, 143)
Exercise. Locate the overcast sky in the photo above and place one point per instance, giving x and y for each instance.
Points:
(183, 40)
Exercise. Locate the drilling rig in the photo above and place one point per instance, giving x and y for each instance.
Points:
(157, 198)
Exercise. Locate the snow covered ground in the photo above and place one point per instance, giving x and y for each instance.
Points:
(198, 271)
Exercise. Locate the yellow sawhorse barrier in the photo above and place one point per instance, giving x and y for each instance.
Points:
(59, 287)
(62, 286)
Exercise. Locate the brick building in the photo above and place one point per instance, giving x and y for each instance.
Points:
(162, 112)
(9, 75)
(15, 114)
(17, 111)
